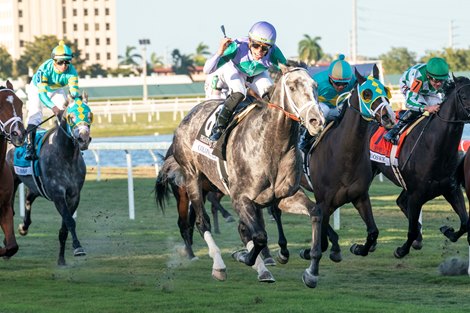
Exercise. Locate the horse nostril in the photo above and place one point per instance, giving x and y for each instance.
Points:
(313, 121)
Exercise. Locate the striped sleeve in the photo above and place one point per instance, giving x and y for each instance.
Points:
(73, 86)
(42, 90)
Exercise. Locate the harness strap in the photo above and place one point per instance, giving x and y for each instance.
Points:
(288, 114)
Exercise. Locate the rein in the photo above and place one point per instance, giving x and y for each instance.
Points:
(292, 116)
(461, 106)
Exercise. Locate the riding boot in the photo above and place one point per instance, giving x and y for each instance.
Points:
(306, 140)
(30, 151)
(225, 114)
(392, 134)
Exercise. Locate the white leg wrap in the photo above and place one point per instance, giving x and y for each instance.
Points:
(259, 263)
(214, 252)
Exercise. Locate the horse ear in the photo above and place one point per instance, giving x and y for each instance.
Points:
(85, 96)
(9, 85)
(375, 71)
(453, 77)
(360, 78)
(284, 68)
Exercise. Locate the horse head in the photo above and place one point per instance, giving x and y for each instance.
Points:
(374, 99)
(298, 96)
(11, 115)
(79, 119)
(458, 91)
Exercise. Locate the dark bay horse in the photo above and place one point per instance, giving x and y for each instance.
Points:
(339, 167)
(428, 162)
(63, 171)
(263, 166)
(11, 130)
(465, 172)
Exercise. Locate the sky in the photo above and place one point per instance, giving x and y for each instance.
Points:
(418, 25)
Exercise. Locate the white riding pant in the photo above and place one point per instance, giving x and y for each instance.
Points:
(329, 113)
(58, 97)
(232, 80)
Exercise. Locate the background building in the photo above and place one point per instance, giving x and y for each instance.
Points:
(90, 24)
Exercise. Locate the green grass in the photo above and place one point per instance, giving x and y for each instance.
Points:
(136, 265)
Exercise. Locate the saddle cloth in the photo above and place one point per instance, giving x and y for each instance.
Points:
(24, 167)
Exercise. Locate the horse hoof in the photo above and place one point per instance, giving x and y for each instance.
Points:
(193, 259)
(266, 277)
(229, 219)
(21, 230)
(400, 253)
(240, 255)
(309, 279)
(282, 259)
(79, 252)
(373, 247)
(358, 250)
(449, 232)
(61, 262)
(219, 274)
(335, 256)
(269, 262)
(417, 245)
(305, 254)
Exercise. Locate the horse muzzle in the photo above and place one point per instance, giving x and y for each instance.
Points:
(314, 120)
(18, 135)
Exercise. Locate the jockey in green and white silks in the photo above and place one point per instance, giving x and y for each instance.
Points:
(421, 85)
(47, 88)
(242, 60)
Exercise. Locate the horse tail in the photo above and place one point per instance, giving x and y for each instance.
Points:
(169, 174)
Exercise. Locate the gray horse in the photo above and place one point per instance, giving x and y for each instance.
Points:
(263, 166)
(62, 170)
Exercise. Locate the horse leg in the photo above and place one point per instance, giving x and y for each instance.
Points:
(414, 209)
(364, 208)
(335, 251)
(215, 218)
(193, 188)
(402, 202)
(63, 234)
(455, 197)
(24, 227)
(283, 254)
(68, 224)
(6, 222)
(216, 198)
(264, 275)
(184, 223)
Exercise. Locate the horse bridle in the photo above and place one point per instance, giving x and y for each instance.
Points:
(13, 120)
(460, 106)
(296, 116)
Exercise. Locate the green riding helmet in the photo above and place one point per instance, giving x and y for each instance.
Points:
(340, 71)
(437, 68)
(62, 52)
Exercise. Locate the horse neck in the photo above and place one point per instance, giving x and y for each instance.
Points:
(3, 151)
(279, 123)
(63, 142)
(446, 128)
(353, 128)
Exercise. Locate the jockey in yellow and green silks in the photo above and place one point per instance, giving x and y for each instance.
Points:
(47, 88)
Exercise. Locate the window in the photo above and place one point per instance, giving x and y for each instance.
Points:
(21, 28)
(87, 41)
(106, 11)
(64, 27)
(21, 43)
(75, 43)
(87, 56)
(108, 56)
(75, 27)
(86, 26)
(108, 41)
(74, 12)
(97, 12)
(97, 26)
(85, 12)
(97, 56)
(20, 13)
(97, 41)
(108, 27)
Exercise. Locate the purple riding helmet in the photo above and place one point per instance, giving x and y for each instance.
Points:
(263, 32)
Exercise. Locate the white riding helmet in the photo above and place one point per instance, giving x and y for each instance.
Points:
(263, 32)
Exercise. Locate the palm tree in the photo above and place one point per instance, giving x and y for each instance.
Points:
(310, 50)
(129, 57)
(156, 60)
(182, 63)
(202, 50)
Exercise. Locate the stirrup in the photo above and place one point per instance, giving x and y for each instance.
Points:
(31, 156)
(216, 135)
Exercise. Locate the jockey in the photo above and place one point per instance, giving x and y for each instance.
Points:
(241, 60)
(338, 79)
(47, 88)
(422, 87)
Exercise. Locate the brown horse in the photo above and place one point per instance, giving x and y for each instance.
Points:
(11, 129)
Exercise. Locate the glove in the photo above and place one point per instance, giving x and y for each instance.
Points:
(56, 110)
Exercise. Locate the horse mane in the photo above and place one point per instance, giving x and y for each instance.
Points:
(3, 87)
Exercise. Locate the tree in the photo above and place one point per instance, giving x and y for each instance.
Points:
(397, 60)
(156, 61)
(38, 51)
(129, 57)
(310, 50)
(182, 63)
(202, 51)
(6, 64)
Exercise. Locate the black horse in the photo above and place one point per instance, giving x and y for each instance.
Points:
(263, 166)
(464, 173)
(339, 165)
(63, 171)
(428, 161)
